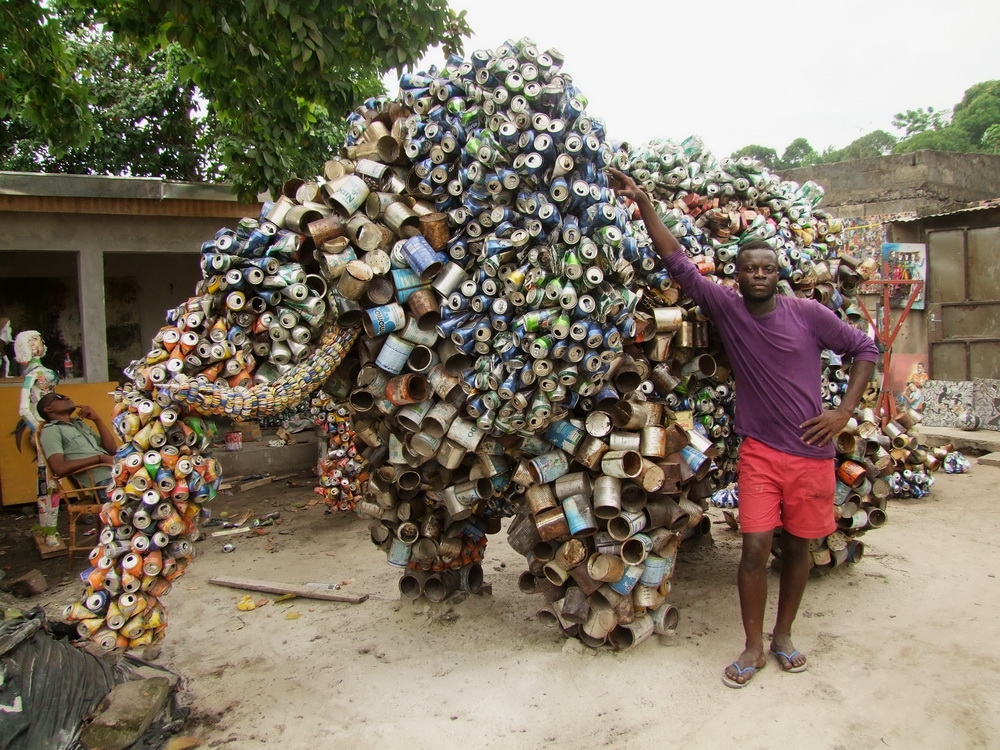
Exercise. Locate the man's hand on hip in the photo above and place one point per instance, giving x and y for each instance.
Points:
(822, 429)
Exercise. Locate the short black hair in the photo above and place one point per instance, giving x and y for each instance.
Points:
(754, 245)
(45, 402)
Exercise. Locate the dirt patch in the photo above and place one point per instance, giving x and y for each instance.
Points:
(901, 646)
(18, 553)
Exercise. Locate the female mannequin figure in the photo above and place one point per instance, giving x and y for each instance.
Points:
(38, 380)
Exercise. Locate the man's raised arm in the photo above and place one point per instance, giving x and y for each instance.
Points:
(678, 265)
(663, 239)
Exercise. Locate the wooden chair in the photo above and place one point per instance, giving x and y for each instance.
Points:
(78, 500)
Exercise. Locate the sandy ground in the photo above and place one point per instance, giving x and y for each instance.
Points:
(902, 646)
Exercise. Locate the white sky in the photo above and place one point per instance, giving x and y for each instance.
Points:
(738, 72)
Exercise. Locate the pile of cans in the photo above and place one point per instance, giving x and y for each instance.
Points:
(483, 330)
(343, 471)
(874, 466)
(253, 341)
(160, 481)
(715, 205)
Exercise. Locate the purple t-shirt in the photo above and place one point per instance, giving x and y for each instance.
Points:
(775, 357)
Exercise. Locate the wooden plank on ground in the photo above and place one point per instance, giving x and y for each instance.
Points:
(229, 532)
(250, 484)
(273, 587)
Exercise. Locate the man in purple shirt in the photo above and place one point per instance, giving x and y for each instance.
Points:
(786, 459)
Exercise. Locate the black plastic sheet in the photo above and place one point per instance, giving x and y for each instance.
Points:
(47, 685)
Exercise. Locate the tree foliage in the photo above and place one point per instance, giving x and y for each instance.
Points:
(973, 116)
(270, 68)
(946, 139)
(275, 73)
(920, 120)
(876, 143)
(991, 139)
(41, 81)
(798, 153)
(145, 118)
(978, 110)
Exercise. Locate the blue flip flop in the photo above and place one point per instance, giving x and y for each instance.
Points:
(730, 682)
(788, 658)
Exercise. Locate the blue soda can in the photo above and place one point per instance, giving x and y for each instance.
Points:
(406, 282)
(564, 435)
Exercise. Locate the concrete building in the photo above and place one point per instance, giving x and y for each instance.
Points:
(961, 322)
(947, 202)
(93, 262)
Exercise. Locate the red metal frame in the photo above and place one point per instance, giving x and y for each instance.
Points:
(886, 405)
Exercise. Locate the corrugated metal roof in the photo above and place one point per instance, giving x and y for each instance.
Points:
(981, 206)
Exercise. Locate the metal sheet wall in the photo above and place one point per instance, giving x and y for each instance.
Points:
(964, 295)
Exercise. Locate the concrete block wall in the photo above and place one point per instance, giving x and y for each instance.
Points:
(923, 181)
(261, 458)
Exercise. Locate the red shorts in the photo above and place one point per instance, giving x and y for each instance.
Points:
(779, 489)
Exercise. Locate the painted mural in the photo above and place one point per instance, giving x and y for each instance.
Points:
(905, 262)
(945, 401)
(986, 402)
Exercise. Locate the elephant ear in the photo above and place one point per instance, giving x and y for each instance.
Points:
(19, 429)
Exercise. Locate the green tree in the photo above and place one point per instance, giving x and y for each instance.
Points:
(973, 116)
(991, 139)
(41, 81)
(148, 122)
(876, 143)
(946, 139)
(145, 117)
(920, 120)
(797, 154)
(272, 71)
(766, 156)
(829, 155)
(978, 110)
(272, 68)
